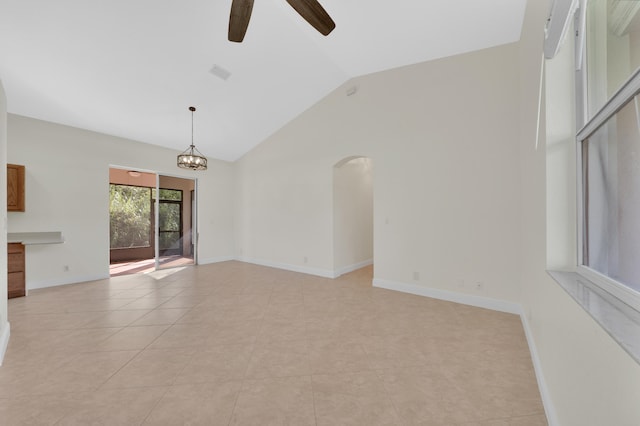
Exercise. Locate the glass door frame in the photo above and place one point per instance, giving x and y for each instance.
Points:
(194, 224)
(156, 206)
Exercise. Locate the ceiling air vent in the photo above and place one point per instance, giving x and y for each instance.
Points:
(220, 72)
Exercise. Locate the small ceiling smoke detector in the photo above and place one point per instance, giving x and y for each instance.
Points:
(220, 72)
(352, 90)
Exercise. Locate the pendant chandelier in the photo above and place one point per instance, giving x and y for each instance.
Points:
(191, 158)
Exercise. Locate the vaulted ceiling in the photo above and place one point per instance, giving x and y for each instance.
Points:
(131, 68)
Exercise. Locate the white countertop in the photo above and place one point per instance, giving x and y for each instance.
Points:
(28, 238)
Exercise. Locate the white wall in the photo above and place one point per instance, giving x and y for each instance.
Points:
(352, 214)
(590, 379)
(561, 159)
(4, 324)
(67, 181)
(443, 138)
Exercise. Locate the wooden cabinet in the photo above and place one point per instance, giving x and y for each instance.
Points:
(15, 188)
(15, 267)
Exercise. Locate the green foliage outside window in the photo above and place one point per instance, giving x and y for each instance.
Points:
(130, 216)
(170, 232)
(169, 194)
(131, 220)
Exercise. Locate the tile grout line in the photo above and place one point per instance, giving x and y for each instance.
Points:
(139, 351)
(244, 376)
(375, 371)
(313, 397)
(308, 343)
(167, 388)
(370, 352)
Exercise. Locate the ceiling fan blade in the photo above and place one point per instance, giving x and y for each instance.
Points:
(314, 14)
(239, 19)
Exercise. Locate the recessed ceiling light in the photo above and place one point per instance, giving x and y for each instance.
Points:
(220, 72)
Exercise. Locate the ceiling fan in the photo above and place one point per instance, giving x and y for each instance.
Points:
(310, 10)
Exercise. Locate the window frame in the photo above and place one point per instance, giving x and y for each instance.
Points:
(180, 230)
(151, 219)
(588, 126)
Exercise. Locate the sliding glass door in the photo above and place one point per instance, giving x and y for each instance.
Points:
(152, 221)
(175, 223)
(170, 226)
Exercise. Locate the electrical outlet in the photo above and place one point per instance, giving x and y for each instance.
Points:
(306, 259)
(479, 285)
(416, 276)
(65, 268)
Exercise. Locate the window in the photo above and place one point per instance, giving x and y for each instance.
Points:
(168, 194)
(130, 216)
(612, 48)
(170, 235)
(609, 149)
(611, 194)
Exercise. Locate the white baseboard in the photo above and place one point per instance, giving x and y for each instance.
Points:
(326, 273)
(465, 299)
(487, 303)
(351, 268)
(550, 411)
(219, 259)
(34, 285)
(5, 332)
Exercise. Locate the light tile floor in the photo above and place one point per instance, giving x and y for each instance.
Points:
(240, 344)
(148, 265)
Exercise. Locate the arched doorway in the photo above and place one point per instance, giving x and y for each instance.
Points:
(352, 214)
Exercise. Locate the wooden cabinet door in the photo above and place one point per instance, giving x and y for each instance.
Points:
(15, 285)
(15, 267)
(15, 188)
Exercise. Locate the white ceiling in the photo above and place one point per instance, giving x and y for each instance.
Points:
(131, 68)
